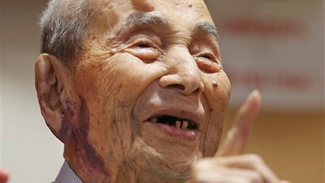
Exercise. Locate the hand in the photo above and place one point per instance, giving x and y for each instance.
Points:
(3, 176)
(230, 165)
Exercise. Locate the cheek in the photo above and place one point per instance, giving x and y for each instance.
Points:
(217, 98)
(111, 87)
(120, 76)
(224, 90)
(218, 95)
(126, 78)
(106, 78)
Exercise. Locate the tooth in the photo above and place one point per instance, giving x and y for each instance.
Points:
(178, 124)
(153, 120)
(184, 124)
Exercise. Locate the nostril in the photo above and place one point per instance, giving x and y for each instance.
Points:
(197, 90)
(185, 85)
(178, 86)
(183, 88)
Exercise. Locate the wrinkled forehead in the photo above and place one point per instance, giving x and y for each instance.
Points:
(158, 5)
(151, 5)
(116, 11)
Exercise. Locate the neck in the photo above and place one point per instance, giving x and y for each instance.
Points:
(129, 172)
(136, 174)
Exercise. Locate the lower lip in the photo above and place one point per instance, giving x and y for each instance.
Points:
(176, 132)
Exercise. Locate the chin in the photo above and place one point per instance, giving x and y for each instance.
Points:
(168, 161)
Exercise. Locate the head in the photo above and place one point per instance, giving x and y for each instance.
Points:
(132, 85)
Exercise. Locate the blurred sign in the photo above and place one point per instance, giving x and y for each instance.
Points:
(276, 46)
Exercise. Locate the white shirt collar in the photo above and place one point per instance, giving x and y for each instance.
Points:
(66, 175)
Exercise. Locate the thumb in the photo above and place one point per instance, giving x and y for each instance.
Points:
(237, 137)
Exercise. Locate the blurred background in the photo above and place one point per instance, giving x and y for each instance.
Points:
(275, 46)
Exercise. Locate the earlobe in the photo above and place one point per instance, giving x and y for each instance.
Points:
(51, 82)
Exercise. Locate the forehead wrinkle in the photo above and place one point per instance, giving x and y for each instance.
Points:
(207, 28)
(143, 5)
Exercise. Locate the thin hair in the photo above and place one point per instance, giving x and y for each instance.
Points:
(63, 25)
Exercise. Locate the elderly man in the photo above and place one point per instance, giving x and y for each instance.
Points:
(136, 91)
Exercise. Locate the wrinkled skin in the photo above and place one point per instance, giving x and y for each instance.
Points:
(131, 71)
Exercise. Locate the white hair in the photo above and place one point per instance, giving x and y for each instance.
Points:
(63, 25)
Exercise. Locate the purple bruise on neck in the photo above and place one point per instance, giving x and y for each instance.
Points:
(92, 158)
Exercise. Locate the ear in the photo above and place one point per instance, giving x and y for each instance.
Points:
(54, 96)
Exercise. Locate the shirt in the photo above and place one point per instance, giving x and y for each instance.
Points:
(66, 175)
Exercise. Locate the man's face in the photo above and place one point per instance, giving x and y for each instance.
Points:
(152, 89)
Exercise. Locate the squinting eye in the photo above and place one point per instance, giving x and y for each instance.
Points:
(143, 45)
(145, 50)
(208, 57)
(208, 63)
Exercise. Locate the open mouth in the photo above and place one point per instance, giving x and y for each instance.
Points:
(175, 122)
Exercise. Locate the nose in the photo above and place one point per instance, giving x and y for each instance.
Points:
(184, 74)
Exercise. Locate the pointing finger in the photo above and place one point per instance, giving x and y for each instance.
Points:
(237, 137)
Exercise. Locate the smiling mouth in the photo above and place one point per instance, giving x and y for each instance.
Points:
(184, 124)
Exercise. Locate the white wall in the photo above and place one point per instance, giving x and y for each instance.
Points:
(29, 150)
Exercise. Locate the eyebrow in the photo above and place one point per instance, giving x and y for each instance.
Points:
(138, 19)
(145, 19)
(208, 28)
